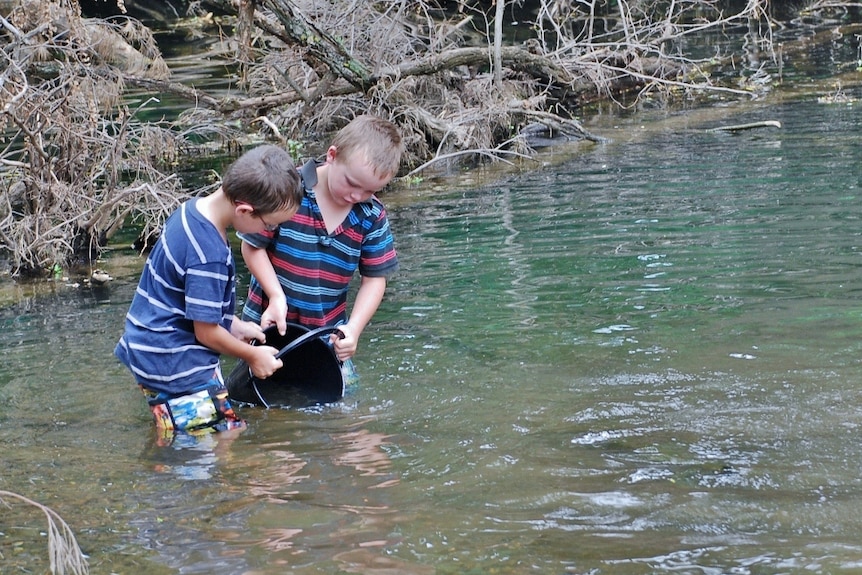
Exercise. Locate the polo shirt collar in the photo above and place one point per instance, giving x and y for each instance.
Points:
(308, 173)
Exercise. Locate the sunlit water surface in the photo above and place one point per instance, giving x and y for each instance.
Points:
(644, 357)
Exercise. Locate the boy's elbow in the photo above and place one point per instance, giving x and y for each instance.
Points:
(205, 332)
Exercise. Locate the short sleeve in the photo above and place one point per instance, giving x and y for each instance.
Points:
(261, 241)
(379, 258)
(208, 288)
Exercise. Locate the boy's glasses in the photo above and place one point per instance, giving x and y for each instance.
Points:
(267, 226)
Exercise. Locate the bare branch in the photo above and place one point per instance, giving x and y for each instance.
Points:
(64, 553)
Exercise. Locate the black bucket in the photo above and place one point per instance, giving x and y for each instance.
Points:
(311, 373)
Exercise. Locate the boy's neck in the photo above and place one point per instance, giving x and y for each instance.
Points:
(333, 214)
(322, 187)
(218, 209)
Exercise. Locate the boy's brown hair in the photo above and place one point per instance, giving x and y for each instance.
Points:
(266, 178)
(374, 138)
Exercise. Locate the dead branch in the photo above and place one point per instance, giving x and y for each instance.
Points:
(455, 90)
(749, 126)
(193, 95)
(582, 61)
(63, 551)
(496, 154)
(72, 153)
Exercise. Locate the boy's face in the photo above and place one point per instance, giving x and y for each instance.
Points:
(249, 221)
(352, 180)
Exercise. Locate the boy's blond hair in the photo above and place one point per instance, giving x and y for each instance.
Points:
(375, 139)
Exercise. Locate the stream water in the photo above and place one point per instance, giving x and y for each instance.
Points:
(642, 357)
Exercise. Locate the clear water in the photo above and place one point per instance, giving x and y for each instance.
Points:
(641, 358)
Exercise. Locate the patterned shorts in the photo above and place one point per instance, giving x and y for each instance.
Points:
(206, 409)
(349, 375)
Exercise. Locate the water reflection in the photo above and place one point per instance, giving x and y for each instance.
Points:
(356, 513)
(283, 493)
(189, 456)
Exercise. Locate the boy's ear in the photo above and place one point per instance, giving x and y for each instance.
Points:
(331, 154)
(244, 208)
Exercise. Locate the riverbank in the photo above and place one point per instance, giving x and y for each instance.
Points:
(456, 112)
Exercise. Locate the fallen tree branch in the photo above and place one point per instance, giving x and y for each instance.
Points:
(185, 92)
(493, 154)
(750, 126)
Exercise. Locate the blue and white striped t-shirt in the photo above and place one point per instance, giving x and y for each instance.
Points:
(189, 276)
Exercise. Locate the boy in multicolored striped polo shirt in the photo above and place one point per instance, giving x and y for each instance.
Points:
(302, 271)
(182, 315)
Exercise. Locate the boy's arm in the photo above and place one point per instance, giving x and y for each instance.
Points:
(257, 261)
(368, 298)
(260, 358)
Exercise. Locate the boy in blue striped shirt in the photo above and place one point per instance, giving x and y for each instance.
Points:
(182, 315)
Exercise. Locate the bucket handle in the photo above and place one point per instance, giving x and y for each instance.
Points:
(325, 330)
(307, 336)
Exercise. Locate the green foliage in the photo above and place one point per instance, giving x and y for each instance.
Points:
(294, 148)
(414, 180)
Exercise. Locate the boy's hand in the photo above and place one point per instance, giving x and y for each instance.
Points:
(344, 347)
(246, 331)
(275, 314)
(262, 361)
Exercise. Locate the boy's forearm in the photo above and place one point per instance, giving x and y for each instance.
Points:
(220, 340)
(260, 359)
(368, 299)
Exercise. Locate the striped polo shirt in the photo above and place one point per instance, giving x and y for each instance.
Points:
(189, 276)
(314, 266)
